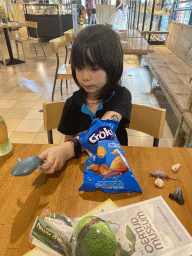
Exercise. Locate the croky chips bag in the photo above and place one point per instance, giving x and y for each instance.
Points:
(107, 170)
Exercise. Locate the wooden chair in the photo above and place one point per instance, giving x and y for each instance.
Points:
(69, 34)
(148, 120)
(143, 118)
(26, 38)
(65, 71)
(52, 112)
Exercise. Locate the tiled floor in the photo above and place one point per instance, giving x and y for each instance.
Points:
(24, 87)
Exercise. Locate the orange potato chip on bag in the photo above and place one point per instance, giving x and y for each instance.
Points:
(114, 174)
(104, 169)
(93, 166)
(118, 164)
(115, 152)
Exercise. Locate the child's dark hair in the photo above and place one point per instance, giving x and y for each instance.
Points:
(106, 51)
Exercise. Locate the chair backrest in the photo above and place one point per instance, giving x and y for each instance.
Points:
(31, 29)
(57, 43)
(69, 34)
(179, 41)
(143, 118)
(148, 120)
(52, 112)
(31, 24)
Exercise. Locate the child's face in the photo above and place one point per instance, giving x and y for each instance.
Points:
(91, 79)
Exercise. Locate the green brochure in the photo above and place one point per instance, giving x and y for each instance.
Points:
(46, 237)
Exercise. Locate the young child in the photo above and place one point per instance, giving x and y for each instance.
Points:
(97, 66)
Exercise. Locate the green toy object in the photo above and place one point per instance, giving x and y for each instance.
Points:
(95, 237)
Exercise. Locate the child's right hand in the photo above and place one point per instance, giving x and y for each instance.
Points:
(55, 157)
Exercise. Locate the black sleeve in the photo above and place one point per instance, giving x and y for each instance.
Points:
(122, 104)
(67, 121)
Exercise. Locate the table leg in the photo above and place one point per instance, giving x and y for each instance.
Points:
(6, 33)
(10, 61)
(139, 57)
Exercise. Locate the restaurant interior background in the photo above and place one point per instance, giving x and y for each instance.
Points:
(156, 15)
(152, 15)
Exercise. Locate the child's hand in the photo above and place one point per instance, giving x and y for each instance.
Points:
(55, 157)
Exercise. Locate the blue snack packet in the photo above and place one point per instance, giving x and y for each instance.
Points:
(107, 170)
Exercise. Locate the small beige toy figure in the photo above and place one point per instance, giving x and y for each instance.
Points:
(159, 183)
(175, 167)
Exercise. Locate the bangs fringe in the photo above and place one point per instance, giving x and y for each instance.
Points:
(80, 58)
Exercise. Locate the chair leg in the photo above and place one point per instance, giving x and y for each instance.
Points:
(66, 54)
(54, 89)
(35, 49)
(155, 142)
(17, 48)
(42, 49)
(50, 137)
(23, 47)
(61, 86)
(66, 84)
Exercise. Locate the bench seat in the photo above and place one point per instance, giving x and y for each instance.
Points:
(171, 65)
(171, 73)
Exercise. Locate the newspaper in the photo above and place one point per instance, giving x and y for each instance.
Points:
(149, 228)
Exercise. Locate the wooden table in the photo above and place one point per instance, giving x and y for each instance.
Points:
(5, 27)
(136, 46)
(22, 199)
(133, 33)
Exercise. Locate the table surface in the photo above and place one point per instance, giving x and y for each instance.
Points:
(136, 46)
(14, 24)
(22, 199)
(129, 33)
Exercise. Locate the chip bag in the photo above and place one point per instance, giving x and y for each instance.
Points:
(107, 170)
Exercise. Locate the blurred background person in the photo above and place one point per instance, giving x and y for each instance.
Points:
(124, 13)
(88, 9)
(83, 11)
(118, 17)
(93, 12)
